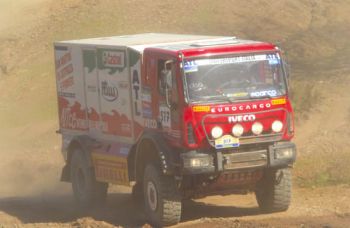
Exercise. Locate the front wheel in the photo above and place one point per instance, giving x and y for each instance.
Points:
(87, 191)
(273, 192)
(162, 198)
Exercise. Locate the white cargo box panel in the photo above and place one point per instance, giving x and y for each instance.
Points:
(97, 98)
(70, 89)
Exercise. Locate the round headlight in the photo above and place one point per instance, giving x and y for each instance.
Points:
(237, 130)
(257, 128)
(216, 132)
(277, 126)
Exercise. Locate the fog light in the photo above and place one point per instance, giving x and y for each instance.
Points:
(277, 126)
(237, 130)
(216, 132)
(257, 128)
(284, 153)
(197, 162)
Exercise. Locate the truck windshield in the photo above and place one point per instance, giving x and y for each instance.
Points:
(234, 78)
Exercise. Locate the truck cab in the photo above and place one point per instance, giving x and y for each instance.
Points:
(207, 115)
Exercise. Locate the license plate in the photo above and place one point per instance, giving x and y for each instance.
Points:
(226, 141)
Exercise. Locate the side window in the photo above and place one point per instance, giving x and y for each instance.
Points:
(161, 82)
(167, 81)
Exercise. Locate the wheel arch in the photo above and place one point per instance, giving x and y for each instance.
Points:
(152, 147)
(78, 142)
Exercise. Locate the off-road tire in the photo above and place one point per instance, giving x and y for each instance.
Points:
(168, 199)
(87, 191)
(274, 191)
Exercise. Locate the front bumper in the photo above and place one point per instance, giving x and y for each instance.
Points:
(278, 155)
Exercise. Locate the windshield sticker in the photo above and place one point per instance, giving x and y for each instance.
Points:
(242, 94)
(273, 59)
(196, 86)
(237, 59)
(271, 93)
(190, 66)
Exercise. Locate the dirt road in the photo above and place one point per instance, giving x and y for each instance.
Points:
(326, 207)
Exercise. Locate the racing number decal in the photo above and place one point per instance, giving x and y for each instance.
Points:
(165, 119)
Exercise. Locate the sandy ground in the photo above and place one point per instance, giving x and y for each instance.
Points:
(325, 207)
(30, 161)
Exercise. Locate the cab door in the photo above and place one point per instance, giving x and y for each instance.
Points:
(167, 89)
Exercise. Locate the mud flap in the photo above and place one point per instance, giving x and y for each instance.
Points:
(65, 175)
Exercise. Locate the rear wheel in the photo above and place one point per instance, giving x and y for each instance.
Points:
(273, 192)
(87, 191)
(161, 196)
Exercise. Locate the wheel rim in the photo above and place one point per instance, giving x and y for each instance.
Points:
(152, 196)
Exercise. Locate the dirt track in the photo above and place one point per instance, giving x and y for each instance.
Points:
(327, 207)
(30, 194)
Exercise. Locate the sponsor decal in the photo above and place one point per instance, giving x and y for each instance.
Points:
(113, 59)
(123, 85)
(201, 108)
(110, 168)
(241, 94)
(66, 83)
(70, 120)
(92, 88)
(273, 59)
(109, 92)
(236, 59)
(64, 72)
(165, 118)
(190, 66)
(109, 60)
(196, 86)
(66, 94)
(245, 107)
(241, 118)
(150, 123)
(147, 102)
(67, 70)
(63, 60)
(279, 101)
(271, 93)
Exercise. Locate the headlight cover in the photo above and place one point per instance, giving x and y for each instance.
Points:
(237, 130)
(257, 128)
(277, 126)
(216, 132)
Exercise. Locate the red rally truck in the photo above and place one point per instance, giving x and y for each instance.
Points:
(176, 117)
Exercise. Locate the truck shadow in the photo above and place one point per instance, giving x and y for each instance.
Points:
(120, 209)
(195, 210)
